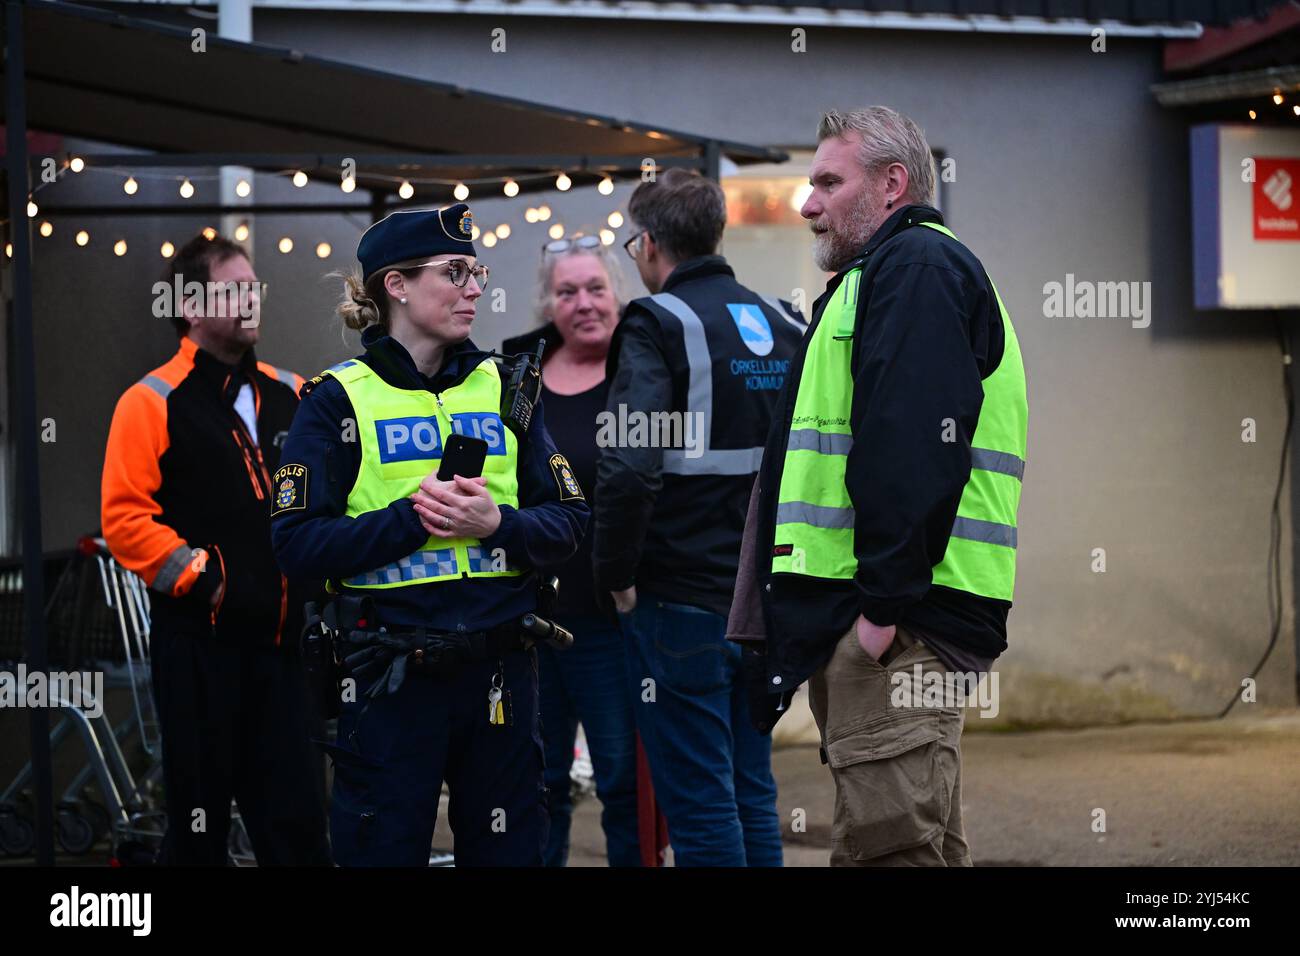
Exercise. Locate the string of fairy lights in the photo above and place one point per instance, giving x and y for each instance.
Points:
(461, 189)
(1278, 100)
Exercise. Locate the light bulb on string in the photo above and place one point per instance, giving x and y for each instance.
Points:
(187, 189)
(511, 188)
(503, 231)
(119, 247)
(286, 245)
(406, 190)
(32, 209)
(300, 179)
(83, 237)
(556, 231)
(167, 250)
(77, 164)
(474, 233)
(241, 232)
(130, 186)
(615, 219)
(242, 189)
(1277, 99)
(530, 214)
(323, 250)
(349, 183)
(489, 240)
(461, 192)
(543, 213)
(563, 182)
(209, 233)
(606, 237)
(605, 187)
(47, 228)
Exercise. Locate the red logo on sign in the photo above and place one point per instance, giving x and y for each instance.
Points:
(1276, 211)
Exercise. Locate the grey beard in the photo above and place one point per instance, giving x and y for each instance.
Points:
(832, 250)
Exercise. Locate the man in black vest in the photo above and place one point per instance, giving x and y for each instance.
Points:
(695, 369)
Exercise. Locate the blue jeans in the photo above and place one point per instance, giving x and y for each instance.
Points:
(712, 771)
(587, 684)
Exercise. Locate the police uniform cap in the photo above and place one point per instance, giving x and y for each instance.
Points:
(416, 234)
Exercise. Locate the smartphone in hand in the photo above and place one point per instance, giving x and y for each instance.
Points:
(462, 455)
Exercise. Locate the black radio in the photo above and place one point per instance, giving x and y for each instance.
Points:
(523, 387)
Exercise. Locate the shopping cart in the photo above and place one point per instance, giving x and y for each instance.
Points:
(109, 631)
(105, 633)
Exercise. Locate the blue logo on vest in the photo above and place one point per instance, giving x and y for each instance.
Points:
(408, 439)
(485, 425)
(755, 331)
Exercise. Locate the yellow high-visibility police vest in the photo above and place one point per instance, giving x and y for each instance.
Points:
(814, 513)
(402, 433)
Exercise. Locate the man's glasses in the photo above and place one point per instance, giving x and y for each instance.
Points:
(556, 246)
(229, 298)
(458, 272)
(633, 245)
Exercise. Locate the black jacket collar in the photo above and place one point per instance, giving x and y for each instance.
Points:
(697, 268)
(394, 364)
(906, 217)
(228, 378)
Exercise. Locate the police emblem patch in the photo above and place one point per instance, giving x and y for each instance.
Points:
(466, 223)
(568, 485)
(290, 484)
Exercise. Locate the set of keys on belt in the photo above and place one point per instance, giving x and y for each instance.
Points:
(499, 714)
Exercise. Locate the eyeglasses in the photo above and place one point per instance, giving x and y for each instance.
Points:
(636, 239)
(232, 294)
(239, 290)
(556, 246)
(458, 272)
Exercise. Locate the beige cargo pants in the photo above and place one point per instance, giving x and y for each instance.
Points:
(897, 769)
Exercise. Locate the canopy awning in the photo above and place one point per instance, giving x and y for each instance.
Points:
(103, 76)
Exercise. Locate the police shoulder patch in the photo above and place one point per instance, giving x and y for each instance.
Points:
(569, 490)
(289, 489)
(308, 385)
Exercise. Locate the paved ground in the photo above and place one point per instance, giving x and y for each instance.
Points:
(1205, 794)
(1184, 794)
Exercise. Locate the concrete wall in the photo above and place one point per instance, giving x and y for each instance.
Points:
(1063, 165)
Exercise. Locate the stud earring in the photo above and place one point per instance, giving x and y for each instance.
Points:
(402, 300)
(889, 204)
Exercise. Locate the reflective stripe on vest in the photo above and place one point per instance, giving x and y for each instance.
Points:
(402, 433)
(699, 399)
(815, 517)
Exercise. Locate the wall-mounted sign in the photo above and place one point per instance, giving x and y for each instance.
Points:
(1246, 216)
(1277, 191)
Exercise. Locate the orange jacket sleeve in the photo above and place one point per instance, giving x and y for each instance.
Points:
(137, 440)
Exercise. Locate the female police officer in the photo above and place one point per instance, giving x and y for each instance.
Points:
(432, 576)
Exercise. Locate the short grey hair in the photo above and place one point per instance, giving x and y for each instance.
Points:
(546, 277)
(887, 137)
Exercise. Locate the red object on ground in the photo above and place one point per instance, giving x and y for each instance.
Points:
(651, 824)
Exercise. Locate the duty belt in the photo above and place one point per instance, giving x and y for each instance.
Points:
(381, 659)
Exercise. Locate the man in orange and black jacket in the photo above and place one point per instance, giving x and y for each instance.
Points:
(186, 504)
